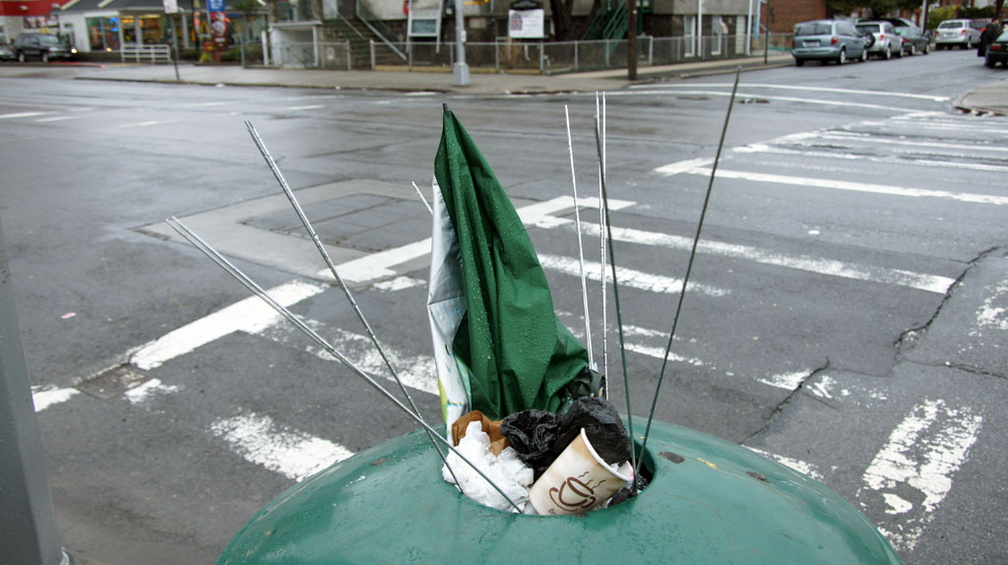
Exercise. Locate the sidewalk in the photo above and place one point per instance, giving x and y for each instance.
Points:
(399, 79)
(987, 99)
(404, 79)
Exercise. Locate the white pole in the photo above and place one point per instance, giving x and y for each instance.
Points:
(699, 30)
(749, 22)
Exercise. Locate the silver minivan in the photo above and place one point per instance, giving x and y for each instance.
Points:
(828, 40)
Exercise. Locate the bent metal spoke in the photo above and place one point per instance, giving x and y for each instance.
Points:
(577, 225)
(619, 316)
(332, 268)
(689, 266)
(244, 279)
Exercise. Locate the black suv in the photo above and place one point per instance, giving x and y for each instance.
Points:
(42, 46)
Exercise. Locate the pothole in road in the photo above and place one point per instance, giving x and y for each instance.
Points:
(114, 382)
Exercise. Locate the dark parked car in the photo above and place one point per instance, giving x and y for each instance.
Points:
(914, 40)
(997, 52)
(42, 46)
(828, 40)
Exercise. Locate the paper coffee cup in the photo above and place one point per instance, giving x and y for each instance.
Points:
(578, 481)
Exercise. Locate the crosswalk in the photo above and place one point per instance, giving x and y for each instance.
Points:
(926, 447)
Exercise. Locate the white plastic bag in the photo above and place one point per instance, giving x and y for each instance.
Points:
(506, 470)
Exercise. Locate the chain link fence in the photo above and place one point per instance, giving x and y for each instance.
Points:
(544, 57)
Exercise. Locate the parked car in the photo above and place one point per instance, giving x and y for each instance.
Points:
(828, 40)
(914, 40)
(950, 33)
(42, 46)
(997, 51)
(887, 42)
(6, 53)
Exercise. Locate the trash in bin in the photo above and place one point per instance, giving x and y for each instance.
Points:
(578, 459)
(578, 481)
(540, 437)
(506, 471)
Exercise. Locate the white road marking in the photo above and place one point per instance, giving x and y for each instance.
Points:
(683, 166)
(993, 313)
(742, 95)
(415, 371)
(801, 88)
(399, 283)
(204, 104)
(142, 393)
(16, 115)
(294, 454)
(786, 381)
(56, 119)
(147, 123)
(659, 353)
(921, 159)
(379, 265)
(899, 277)
(46, 397)
(888, 190)
(965, 148)
(252, 315)
(309, 107)
(249, 314)
(796, 464)
(922, 454)
(627, 277)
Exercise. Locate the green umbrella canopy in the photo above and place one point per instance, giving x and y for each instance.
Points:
(517, 354)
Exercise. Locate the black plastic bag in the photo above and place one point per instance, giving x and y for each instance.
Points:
(539, 437)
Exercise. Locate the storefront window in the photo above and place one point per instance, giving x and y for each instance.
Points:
(153, 30)
(129, 29)
(103, 34)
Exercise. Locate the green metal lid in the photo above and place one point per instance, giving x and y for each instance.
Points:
(710, 501)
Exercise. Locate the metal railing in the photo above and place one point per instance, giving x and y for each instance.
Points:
(155, 53)
(544, 57)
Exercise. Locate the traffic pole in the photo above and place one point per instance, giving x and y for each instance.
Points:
(28, 532)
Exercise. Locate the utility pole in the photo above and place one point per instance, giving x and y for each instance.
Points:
(766, 40)
(631, 39)
(460, 72)
(28, 532)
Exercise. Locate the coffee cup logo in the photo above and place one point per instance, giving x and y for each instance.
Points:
(574, 494)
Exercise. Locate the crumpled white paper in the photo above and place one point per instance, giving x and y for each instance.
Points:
(506, 470)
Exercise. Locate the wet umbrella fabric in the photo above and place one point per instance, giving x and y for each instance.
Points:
(496, 334)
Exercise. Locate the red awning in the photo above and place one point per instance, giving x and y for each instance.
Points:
(26, 7)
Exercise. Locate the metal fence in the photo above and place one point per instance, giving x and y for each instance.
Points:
(146, 53)
(544, 57)
(334, 56)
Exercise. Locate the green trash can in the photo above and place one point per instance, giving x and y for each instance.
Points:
(709, 501)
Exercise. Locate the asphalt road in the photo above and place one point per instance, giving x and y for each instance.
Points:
(846, 313)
